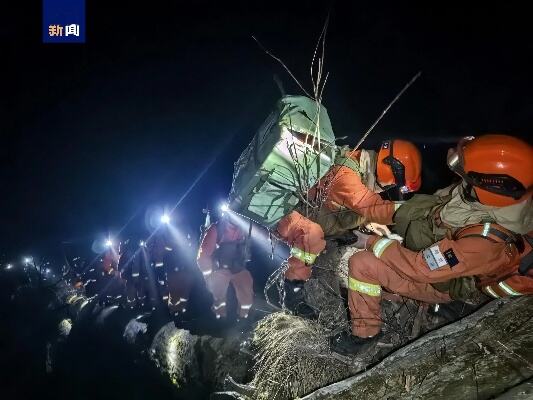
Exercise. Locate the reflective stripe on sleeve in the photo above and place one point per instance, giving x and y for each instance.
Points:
(205, 273)
(490, 291)
(397, 205)
(486, 229)
(508, 289)
(380, 245)
(364, 288)
(308, 258)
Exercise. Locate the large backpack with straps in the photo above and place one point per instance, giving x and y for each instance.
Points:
(290, 152)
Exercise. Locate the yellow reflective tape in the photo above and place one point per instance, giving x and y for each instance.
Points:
(490, 291)
(397, 205)
(364, 288)
(508, 289)
(380, 245)
(308, 258)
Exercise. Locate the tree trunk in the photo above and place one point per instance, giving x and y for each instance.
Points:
(477, 357)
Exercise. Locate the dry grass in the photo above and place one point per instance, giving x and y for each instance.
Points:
(293, 358)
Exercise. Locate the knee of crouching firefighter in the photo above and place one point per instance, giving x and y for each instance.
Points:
(362, 264)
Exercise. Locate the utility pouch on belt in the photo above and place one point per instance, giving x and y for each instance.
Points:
(414, 221)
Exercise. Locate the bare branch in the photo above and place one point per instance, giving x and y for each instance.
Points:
(282, 64)
(385, 111)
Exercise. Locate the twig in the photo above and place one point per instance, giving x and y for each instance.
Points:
(282, 64)
(385, 111)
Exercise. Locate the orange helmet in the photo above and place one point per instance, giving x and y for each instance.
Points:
(399, 165)
(498, 167)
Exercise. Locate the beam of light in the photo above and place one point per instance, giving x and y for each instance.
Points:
(182, 241)
(165, 219)
(200, 175)
(142, 243)
(259, 236)
(108, 243)
(9, 266)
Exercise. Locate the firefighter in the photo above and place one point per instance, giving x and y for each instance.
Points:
(175, 261)
(222, 259)
(350, 193)
(487, 220)
(133, 268)
(109, 282)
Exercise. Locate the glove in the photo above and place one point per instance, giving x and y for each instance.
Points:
(378, 229)
(362, 239)
(383, 230)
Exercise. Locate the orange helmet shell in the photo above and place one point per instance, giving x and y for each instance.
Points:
(409, 156)
(499, 155)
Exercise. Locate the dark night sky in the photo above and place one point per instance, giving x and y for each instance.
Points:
(93, 133)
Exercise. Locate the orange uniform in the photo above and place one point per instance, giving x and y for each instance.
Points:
(475, 251)
(344, 189)
(219, 274)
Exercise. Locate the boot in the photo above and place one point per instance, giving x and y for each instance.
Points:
(294, 300)
(347, 344)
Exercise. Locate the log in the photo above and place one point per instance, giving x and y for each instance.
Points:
(478, 357)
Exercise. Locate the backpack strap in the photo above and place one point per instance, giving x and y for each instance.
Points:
(343, 160)
(526, 263)
(493, 232)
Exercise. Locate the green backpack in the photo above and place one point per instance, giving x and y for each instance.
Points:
(290, 152)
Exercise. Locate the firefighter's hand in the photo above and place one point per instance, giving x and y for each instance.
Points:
(362, 239)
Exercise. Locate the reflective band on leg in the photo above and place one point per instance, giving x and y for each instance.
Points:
(219, 306)
(246, 307)
(159, 264)
(380, 245)
(363, 287)
(508, 289)
(205, 273)
(308, 258)
(489, 290)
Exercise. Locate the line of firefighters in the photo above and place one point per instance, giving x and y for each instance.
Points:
(468, 240)
(158, 273)
(143, 275)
